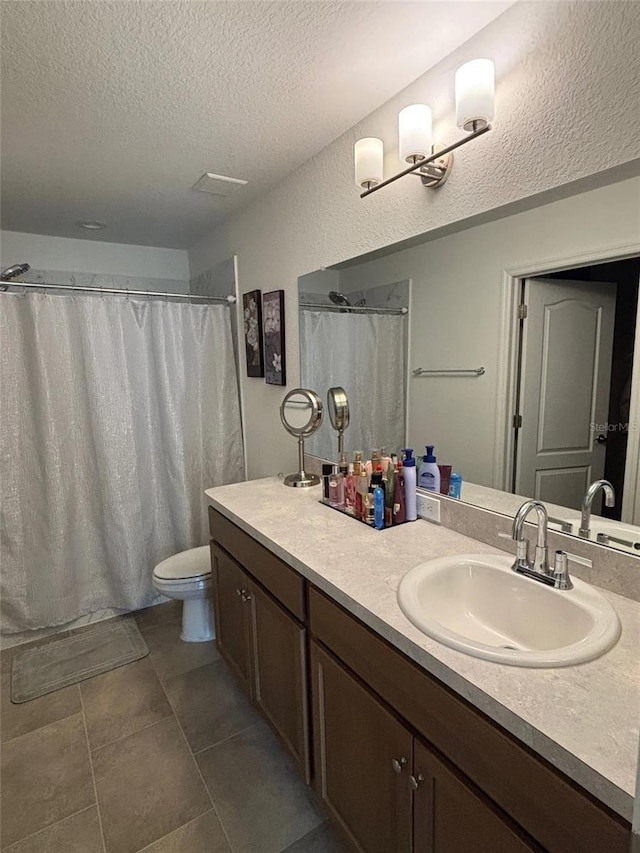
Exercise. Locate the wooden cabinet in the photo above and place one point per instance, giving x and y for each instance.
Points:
(386, 789)
(279, 673)
(231, 586)
(450, 817)
(266, 648)
(362, 760)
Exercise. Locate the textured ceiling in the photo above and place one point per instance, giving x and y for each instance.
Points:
(112, 110)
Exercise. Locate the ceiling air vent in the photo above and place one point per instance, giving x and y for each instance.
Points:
(217, 184)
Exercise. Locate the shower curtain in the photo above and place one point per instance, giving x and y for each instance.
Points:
(115, 414)
(366, 354)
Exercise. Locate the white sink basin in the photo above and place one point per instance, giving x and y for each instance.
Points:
(476, 604)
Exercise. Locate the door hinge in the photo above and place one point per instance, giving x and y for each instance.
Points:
(517, 421)
(523, 310)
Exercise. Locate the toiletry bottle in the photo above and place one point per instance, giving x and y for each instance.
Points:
(399, 515)
(336, 488)
(429, 476)
(445, 478)
(455, 486)
(377, 479)
(378, 507)
(357, 465)
(389, 494)
(410, 500)
(385, 459)
(350, 491)
(367, 508)
(372, 463)
(326, 474)
(362, 486)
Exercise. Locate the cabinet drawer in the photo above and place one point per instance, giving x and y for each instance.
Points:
(550, 807)
(282, 582)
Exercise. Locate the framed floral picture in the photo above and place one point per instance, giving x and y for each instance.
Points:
(252, 305)
(274, 353)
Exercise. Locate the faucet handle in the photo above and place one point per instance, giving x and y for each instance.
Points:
(576, 558)
(561, 577)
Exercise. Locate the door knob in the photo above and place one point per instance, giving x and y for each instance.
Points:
(601, 439)
(398, 764)
(415, 781)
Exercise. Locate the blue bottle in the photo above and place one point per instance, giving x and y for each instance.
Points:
(455, 486)
(378, 507)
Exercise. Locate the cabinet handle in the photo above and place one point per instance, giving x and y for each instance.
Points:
(245, 596)
(415, 781)
(240, 592)
(398, 764)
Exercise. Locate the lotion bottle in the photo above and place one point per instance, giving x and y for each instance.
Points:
(350, 491)
(429, 477)
(410, 500)
(336, 488)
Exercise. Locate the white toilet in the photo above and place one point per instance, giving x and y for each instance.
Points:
(187, 576)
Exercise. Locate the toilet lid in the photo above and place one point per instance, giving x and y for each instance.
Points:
(193, 563)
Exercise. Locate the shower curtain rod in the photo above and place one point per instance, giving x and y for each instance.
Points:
(228, 300)
(350, 309)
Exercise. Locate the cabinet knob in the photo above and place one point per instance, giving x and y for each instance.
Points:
(415, 781)
(239, 592)
(245, 596)
(398, 764)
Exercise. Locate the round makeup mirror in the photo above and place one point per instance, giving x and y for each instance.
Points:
(338, 406)
(301, 416)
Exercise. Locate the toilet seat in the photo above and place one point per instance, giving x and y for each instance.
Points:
(191, 565)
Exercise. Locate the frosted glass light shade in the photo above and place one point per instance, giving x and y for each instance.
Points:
(475, 90)
(414, 132)
(368, 155)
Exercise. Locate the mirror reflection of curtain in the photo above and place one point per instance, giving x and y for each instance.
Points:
(366, 355)
(116, 414)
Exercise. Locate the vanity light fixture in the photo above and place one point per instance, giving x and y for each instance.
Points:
(474, 85)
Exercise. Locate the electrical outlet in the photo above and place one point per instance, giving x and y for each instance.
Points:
(429, 508)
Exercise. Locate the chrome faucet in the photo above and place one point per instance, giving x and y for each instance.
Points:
(592, 491)
(539, 568)
(540, 564)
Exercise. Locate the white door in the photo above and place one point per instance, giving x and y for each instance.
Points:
(567, 346)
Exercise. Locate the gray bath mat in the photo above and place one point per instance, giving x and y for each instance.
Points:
(73, 658)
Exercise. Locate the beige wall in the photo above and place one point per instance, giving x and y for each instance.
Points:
(566, 110)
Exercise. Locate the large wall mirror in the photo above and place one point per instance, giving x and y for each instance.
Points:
(524, 375)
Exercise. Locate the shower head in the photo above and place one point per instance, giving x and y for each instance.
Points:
(14, 271)
(338, 298)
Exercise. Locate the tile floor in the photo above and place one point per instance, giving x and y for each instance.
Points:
(164, 755)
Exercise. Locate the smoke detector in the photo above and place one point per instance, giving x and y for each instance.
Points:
(217, 184)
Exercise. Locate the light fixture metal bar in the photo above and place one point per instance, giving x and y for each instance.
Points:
(228, 300)
(431, 159)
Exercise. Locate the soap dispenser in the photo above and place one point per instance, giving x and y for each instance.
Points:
(429, 476)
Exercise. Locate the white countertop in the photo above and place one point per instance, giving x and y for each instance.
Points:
(585, 719)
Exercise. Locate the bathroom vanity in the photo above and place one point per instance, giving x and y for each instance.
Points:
(410, 745)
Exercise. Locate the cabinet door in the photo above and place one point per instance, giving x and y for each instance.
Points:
(279, 673)
(230, 591)
(450, 817)
(362, 759)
